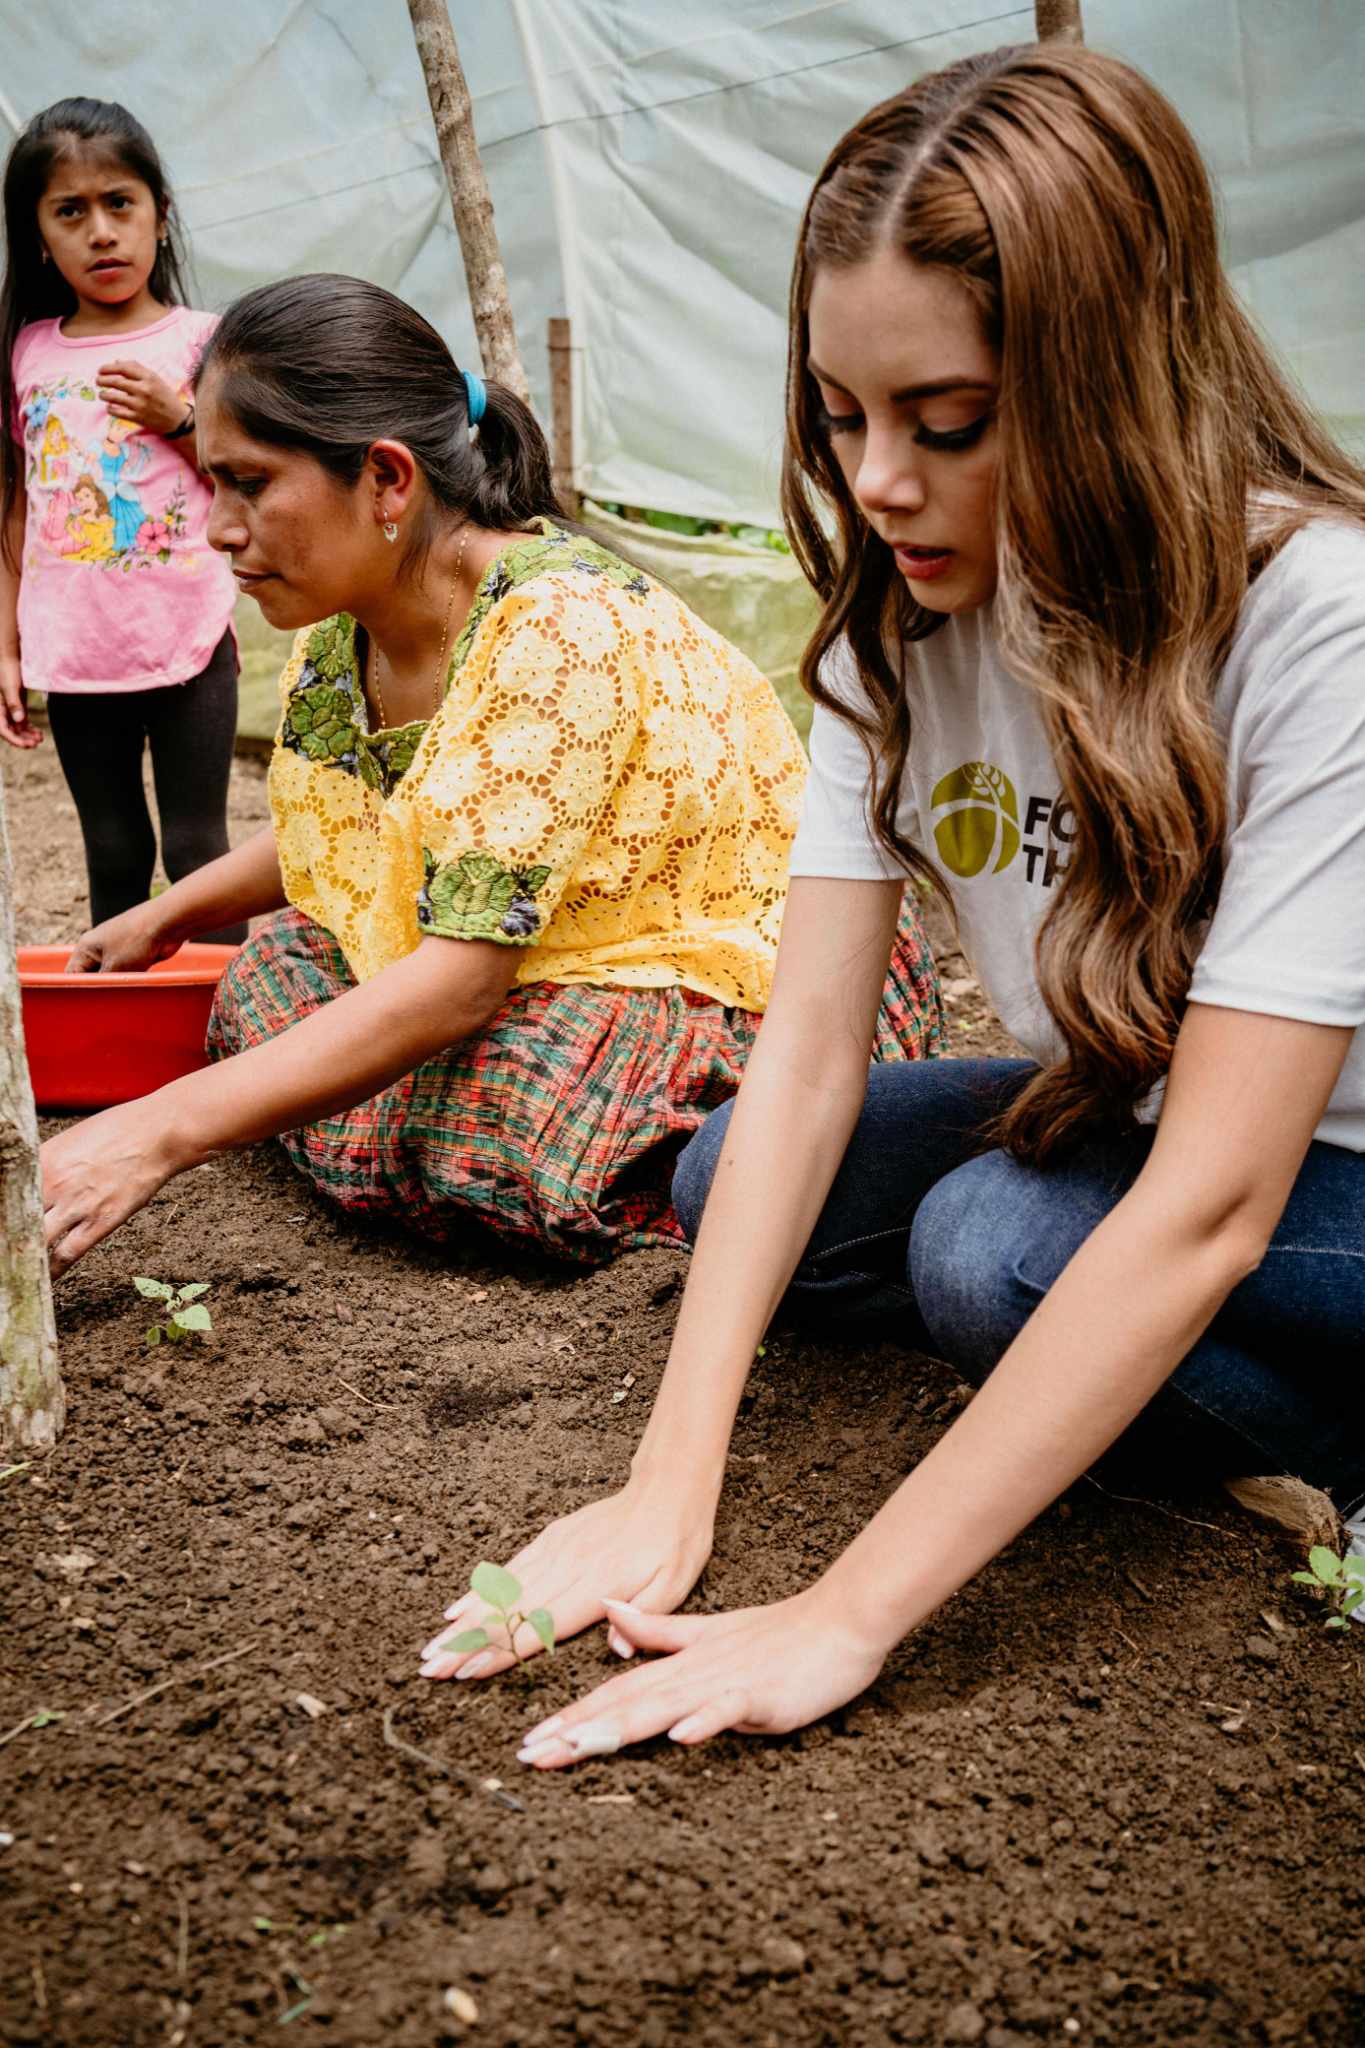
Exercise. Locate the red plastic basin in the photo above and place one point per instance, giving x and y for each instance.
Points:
(96, 1039)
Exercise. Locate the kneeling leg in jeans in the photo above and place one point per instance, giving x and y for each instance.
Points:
(959, 1244)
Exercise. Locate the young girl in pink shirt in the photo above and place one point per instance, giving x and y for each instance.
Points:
(111, 600)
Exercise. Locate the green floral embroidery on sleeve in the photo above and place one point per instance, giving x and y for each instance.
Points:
(319, 722)
(477, 897)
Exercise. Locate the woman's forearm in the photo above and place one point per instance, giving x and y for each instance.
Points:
(802, 1094)
(1071, 1382)
(338, 1056)
(781, 1154)
(241, 884)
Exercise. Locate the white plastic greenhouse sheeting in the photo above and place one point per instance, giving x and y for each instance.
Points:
(649, 160)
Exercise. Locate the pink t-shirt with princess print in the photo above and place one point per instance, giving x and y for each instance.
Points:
(120, 589)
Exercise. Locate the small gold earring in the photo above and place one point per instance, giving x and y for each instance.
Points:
(390, 529)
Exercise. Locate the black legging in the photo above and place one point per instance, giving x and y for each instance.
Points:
(100, 738)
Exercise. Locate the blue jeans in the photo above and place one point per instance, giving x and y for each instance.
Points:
(959, 1244)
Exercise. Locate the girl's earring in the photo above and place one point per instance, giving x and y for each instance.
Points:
(390, 529)
(47, 255)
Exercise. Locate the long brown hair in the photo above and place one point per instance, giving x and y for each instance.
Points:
(1152, 459)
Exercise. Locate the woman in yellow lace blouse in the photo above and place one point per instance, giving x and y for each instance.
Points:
(501, 736)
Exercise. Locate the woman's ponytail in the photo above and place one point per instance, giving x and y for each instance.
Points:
(517, 484)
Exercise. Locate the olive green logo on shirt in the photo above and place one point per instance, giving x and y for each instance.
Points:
(979, 823)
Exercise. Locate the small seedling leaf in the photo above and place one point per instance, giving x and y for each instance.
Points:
(262, 1925)
(1325, 1563)
(1350, 1601)
(496, 1586)
(468, 1639)
(45, 1716)
(1305, 1578)
(154, 1334)
(194, 1290)
(1336, 1621)
(542, 1621)
(154, 1290)
(195, 1317)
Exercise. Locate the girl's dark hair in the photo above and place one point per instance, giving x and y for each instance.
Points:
(34, 290)
(331, 365)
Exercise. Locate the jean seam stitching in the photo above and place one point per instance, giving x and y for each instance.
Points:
(851, 1244)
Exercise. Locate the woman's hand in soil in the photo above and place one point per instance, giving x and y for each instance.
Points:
(759, 1671)
(634, 1546)
(129, 943)
(98, 1174)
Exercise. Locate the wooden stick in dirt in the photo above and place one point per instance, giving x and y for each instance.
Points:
(32, 1400)
(1058, 21)
(561, 412)
(470, 200)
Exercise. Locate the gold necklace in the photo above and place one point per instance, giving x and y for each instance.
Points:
(439, 679)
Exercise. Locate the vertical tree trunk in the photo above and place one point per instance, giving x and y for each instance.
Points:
(470, 200)
(1058, 21)
(32, 1403)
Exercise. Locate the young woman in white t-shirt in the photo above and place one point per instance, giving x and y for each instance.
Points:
(1092, 663)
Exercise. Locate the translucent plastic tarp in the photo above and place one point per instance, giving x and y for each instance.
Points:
(649, 161)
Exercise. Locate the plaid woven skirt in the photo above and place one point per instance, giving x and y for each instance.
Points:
(561, 1124)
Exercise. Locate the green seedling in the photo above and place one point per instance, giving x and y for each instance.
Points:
(1341, 1578)
(45, 1716)
(185, 1312)
(502, 1592)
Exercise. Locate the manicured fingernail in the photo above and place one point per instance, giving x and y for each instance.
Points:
(433, 1648)
(544, 1728)
(593, 1738)
(680, 1730)
(455, 1610)
(619, 1644)
(532, 1752)
(476, 1665)
(623, 1606)
(437, 1667)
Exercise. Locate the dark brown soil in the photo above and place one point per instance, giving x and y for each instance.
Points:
(1113, 1794)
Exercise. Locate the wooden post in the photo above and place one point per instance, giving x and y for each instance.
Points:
(561, 413)
(1058, 21)
(32, 1402)
(470, 200)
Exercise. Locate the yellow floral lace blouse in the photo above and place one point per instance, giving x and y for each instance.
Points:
(607, 784)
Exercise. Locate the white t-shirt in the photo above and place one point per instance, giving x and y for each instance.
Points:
(981, 796)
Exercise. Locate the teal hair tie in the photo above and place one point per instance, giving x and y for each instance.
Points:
(477, 394)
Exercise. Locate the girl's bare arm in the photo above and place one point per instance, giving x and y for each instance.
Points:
(15, 726)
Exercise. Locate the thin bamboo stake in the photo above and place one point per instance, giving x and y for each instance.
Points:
(1058, 21)
(32, 1400)
(470, 200)
(561, 412)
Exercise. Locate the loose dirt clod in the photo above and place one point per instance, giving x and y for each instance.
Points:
(1304, 1512)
